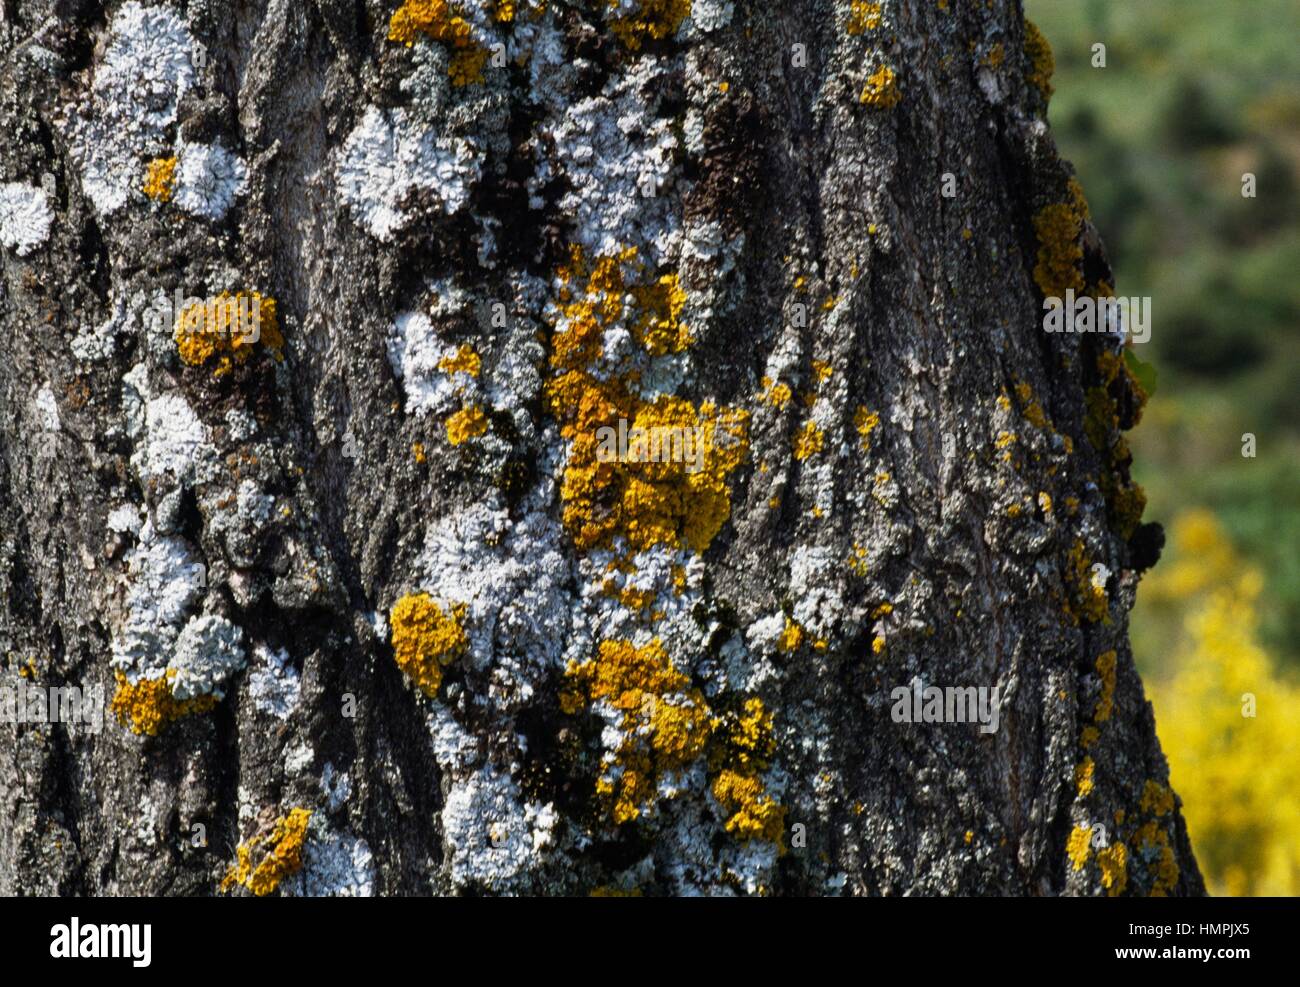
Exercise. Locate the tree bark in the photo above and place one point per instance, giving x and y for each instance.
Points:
(372, 612)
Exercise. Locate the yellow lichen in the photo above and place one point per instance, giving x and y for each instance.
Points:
(466, 424)
(1113, 861)
(147, 706)
(774, 393)
(227, 327)
(441, 21)
(262, 862)
(425, 638)
(646, 502)
(1157, 799)
(864, 15)
(465, 361)
(790, 638)
(865, 422)
(754, 813)
(1059, 266)
(1089, 593)
(808, 441)
(881, 90)
(653, 20)
(1079, 846)
(160, 179)
(666, 722)
(1083, 772)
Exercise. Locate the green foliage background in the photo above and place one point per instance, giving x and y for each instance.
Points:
(1194, 93)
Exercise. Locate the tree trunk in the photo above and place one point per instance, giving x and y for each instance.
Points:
(368, 556)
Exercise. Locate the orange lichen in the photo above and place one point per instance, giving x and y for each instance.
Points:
(147, 705)
(775, 393)
(646, 502)
(441, 21)
(665, 722)
(227, 327)
(790, 638)
(425, 638)
(160, 179)
(277, 855)
(466, 424)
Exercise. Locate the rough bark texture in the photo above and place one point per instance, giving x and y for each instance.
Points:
(619, 676)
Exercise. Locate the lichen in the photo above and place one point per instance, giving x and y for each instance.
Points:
(652, 20)
(147, 706)
(160, 179)
(1083, 772)
(1113, 861)
(1059, 266)
(262, 862)
(1106, 674)
(443, 22)
(881, 91)
(425, 638)
(466, 424)
(227, 327)
(865, 422)
(864, 15)
(646, 503)
(808, 441)
(1079, 846)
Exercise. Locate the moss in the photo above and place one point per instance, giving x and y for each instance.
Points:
(147, 706)
(425, 638)
(881, 91)
(1041, 61)
(1106, 673)
(227, 327)
(264, 861)
(160, 179)
(1059, 265)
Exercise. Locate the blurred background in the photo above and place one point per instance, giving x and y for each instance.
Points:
(1194, 94)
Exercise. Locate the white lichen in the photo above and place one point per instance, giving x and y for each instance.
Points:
(25, 217)
(208, 177)
(388, 158)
